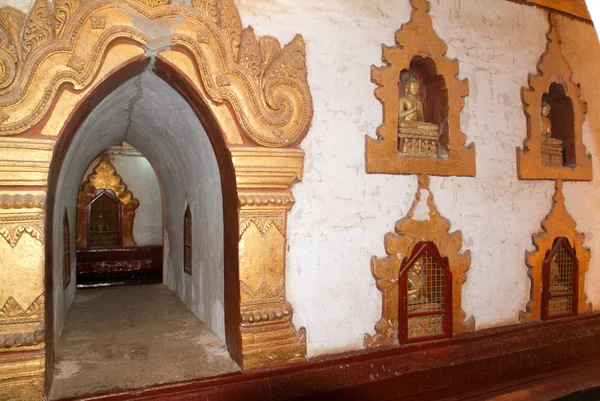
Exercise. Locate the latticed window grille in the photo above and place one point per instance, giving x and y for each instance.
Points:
(425, 296)
(66, 251)
(104, 220)
(187, 241)
(560, 281)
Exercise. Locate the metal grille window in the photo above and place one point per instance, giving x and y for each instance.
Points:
(425, 296)
(187, 241)
(560, 281)
(104, 220)
(66, 252)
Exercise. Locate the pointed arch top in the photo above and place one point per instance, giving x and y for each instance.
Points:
(64, 45)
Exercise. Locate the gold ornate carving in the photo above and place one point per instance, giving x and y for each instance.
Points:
(13, 313)
(105, 176)
(13, 228)
(558, 223)
(417, 40)
(409, 231)
(534, 161)
(267, 84)
(22, 201)
(39, 27)
(98, 22)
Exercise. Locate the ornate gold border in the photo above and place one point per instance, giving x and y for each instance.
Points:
(264, 84)
(552, 67)
(558, 223)
(409, 231)
(418, 38)
(105, 176)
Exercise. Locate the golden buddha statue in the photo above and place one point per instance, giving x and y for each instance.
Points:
(417, 137)
(552, 148)
(416, 284)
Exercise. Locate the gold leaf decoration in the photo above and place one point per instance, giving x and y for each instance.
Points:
(11, 21)
(208, 8)
(231, 24)
(155, 3)
(39, 27)
(62, 11)
(249, 54)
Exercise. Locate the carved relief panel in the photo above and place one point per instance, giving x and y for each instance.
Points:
(421, 278)
(557, 267)
(555, 113)
(105, 209)
(422, 99)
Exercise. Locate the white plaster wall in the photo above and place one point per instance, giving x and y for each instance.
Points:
(342, 214)
(137, 173)
(150, 115)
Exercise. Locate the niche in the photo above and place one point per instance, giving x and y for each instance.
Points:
(421, 278)
(66, 251)
(104, 220)
(425, 296)
(560, 272)
(557, 267)
(422, 99)
(432, 99)
(561, 129)
(187, 241)
(555, 112)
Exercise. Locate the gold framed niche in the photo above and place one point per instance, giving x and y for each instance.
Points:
(555, 111)
(104, 178)
(429, 140)
(411, 231)
(557, 224)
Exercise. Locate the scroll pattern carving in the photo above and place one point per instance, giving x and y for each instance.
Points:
(265, 84)
(417, 38)
(553, 67)
(558, 223)
(105, 176)
(409, 231)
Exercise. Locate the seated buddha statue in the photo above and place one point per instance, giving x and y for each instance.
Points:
(416, 135)
(552, 148)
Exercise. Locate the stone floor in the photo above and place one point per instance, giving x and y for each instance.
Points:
(131, 337)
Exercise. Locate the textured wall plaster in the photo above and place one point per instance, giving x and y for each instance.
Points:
(342, 214)
(158, 122)
(137, 173)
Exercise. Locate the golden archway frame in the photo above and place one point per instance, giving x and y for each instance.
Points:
(553, 67)
(54, 59)
(409, 231)
(558, 223)
(104, 176)
(418, 38)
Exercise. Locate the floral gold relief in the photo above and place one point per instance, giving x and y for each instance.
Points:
(410, 231)
(53, 58)
(557, 224)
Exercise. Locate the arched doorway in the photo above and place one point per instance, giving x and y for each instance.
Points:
(254, 102)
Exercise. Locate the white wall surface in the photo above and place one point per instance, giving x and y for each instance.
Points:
(342, 214)
(137, 173)
(150, 115)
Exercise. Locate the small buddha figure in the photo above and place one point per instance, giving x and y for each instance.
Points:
(416, 284)
(546, 123)
(415, 134)
(552, 148)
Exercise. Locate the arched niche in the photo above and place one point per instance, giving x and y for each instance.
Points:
(250, 94)
(420, 53)
(562, 118)
(558, 231)
(433, 94)
(414, 235)
(540, 156)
